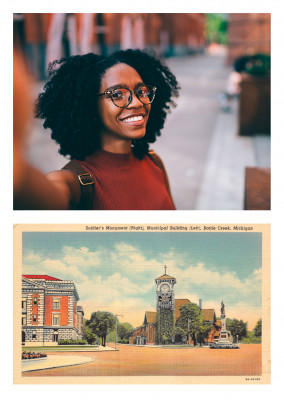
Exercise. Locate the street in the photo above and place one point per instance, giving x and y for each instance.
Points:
(147, 361)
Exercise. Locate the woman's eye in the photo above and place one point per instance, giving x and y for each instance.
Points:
(143, 92)
(118, 94)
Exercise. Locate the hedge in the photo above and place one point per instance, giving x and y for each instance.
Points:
(70, 341)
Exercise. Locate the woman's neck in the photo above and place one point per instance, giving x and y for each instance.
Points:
(116, 146)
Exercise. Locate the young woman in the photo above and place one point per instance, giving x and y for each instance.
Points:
(104, 112)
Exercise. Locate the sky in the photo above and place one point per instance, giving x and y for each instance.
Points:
(116, 271)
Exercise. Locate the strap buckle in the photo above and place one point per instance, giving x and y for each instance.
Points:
(86, 182)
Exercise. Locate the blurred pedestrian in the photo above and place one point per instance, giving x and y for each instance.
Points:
(104, 112)
(36, 27)
(62, 37)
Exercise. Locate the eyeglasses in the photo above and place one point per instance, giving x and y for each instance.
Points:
(122, 97)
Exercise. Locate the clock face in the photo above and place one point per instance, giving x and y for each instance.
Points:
(164, 288)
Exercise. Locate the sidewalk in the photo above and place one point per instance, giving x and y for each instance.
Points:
(60, 360)
(223, 182)
(53, 361)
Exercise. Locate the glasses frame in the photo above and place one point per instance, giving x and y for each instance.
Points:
(110, 92)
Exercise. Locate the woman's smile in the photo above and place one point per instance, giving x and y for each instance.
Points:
(135, 119)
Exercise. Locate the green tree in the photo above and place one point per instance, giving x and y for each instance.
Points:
(237, 327)
(124, 330)
(178, 331)
(251, 338)
(198, 327)
(100, 323)
(216, 28)
(89, 335)
(203, 332)
(258, 328)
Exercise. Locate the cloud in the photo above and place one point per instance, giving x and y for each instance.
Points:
(131, 261)
(113, 287)
(132, 311)
(81, 257)
(31, 258)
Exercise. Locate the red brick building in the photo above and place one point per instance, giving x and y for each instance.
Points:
(168, 34)
(49, 310)
(248, 34)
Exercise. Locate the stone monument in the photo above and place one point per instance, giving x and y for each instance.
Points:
(223, 342)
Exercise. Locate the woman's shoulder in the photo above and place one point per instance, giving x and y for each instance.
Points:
(156, 159)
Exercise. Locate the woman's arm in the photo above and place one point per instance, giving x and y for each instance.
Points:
(32, 189)
(58, 190)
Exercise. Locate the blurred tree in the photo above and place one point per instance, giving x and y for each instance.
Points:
(216, 28)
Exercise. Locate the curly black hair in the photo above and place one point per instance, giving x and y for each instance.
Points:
(68, 103)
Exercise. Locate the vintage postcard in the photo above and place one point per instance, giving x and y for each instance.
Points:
(146, 304)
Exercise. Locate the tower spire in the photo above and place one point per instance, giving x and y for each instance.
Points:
(165, 269)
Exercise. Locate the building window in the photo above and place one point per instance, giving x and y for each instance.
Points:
(55, 304)
(34, 318)
(24, 304)
(55, 319)
(34, 336)
(35, 301)
(24, 320)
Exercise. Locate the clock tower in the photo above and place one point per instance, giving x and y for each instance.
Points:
(165, 307)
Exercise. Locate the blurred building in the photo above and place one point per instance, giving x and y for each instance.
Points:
(248, 34)
(46, 37)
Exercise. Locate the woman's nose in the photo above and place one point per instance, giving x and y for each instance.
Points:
(135, 102)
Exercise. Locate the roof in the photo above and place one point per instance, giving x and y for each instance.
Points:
(165, 276)
(45, 277)
(209, 314)
(178, 304)
(151, 317)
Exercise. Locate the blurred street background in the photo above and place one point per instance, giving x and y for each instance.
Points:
(216, 143)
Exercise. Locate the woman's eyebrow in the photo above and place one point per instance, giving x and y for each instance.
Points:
(124, 85)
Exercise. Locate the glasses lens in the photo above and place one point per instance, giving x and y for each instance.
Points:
(146, 94)
(120, 97)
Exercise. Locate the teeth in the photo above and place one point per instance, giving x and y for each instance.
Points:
(132, 119)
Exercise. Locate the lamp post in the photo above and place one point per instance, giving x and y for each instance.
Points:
(116, 315)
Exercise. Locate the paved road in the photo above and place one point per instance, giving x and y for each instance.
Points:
(146, 361)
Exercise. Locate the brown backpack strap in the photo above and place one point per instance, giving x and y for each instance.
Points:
(86, 183)
(156, 159)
